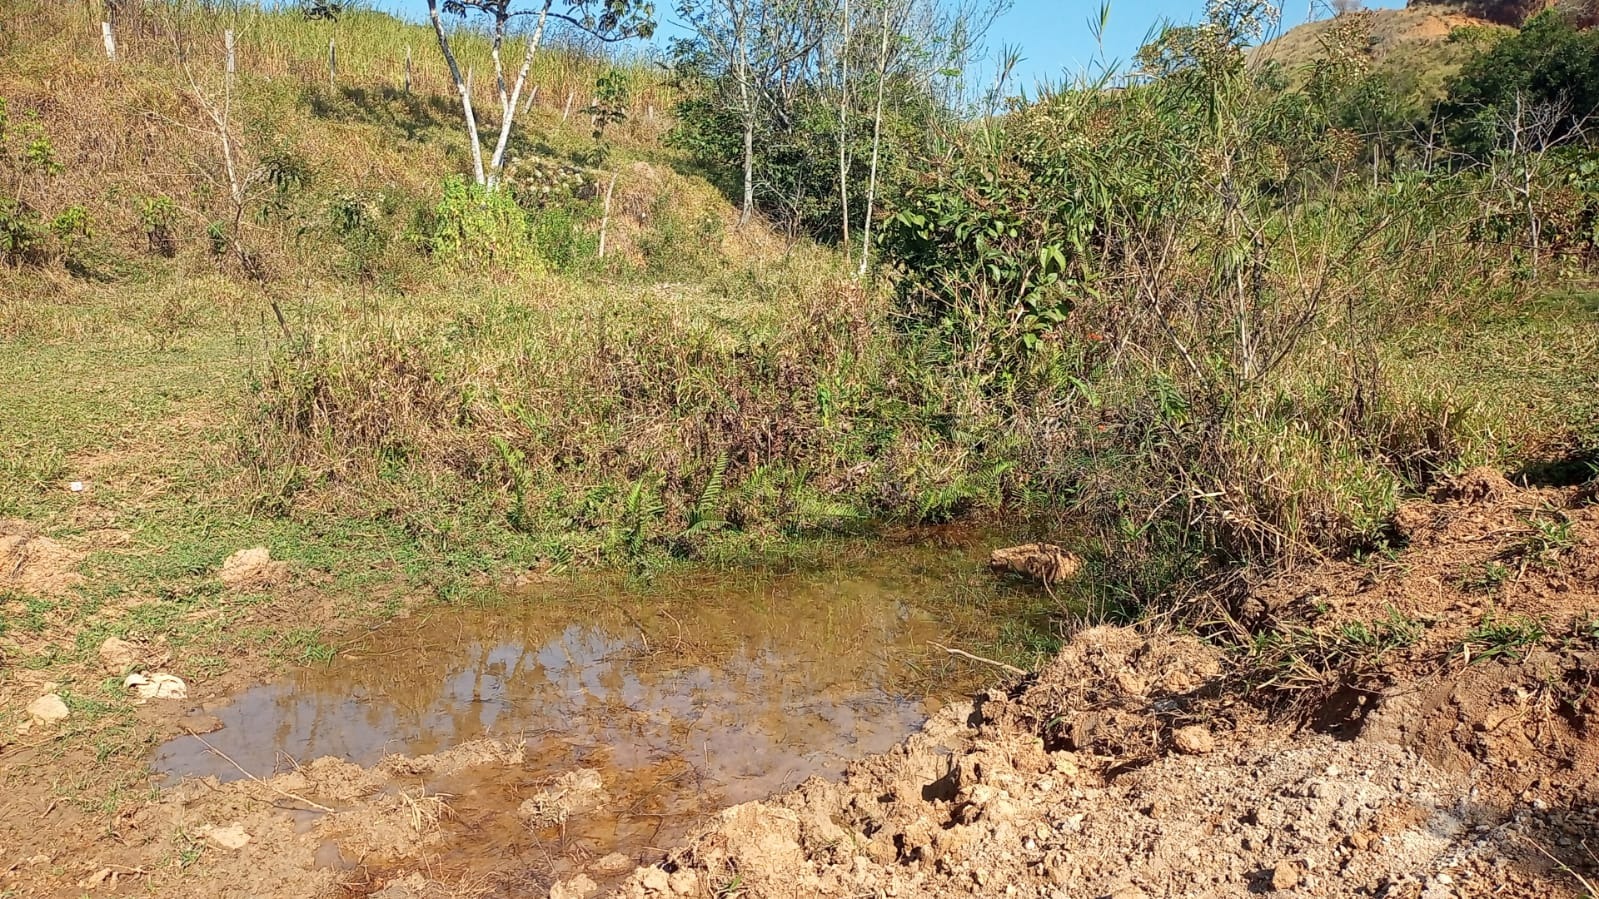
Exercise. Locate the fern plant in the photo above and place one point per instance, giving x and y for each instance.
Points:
(705, 515)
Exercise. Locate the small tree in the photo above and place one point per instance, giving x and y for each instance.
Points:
(753, 49)
(605, 20)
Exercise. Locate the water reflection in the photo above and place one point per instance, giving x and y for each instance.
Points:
(698, 696)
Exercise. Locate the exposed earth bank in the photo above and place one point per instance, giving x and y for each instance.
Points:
(1417, 725)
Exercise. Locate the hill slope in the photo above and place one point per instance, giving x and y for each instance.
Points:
(1414, 43)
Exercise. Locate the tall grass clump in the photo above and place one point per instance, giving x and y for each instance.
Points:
(611, 427)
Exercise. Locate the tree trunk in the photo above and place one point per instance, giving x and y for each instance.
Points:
(877, 143)
(747, 101)
(843, 133)
(464, 89)
(508, 102)
(749, 170)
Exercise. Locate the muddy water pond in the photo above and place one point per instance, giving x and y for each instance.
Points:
(701, 692)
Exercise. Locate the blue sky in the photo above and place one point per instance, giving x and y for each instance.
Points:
(1055, 39)
(1053, 35)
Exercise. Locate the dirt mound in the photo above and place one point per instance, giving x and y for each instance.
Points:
(1437, 744)
(1118, 694)
(33, 564)
(1476, 485)
(977, 805)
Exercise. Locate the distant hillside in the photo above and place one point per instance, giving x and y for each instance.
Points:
(1505, 12)
(1414, 41)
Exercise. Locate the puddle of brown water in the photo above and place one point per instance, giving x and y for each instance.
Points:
(709, 691)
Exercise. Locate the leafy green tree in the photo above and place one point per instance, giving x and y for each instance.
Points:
(1549, 63)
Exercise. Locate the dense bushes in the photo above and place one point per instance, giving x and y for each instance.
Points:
(1206, 272)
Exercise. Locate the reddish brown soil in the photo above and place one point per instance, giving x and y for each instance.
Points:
(1154, 765)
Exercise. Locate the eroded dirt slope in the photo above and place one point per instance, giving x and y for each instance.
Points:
(1448, 752)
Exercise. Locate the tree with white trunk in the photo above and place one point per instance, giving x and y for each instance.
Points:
(605, 20)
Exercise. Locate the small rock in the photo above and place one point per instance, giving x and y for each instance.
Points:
(118, 655)
(684, 882)
(576, 888)
(655, 880)
(1444, 879)
(1193, 740)
(1285, 876)
(615, 863)
(48, 709)
(230, 837)
(252, 567)
(1130, 892)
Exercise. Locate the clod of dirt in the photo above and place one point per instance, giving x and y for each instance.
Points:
(1114, 692)
(1043, 562)
(1477, 485)
(118, 656)
(199, 724)
(157, 686)
(578, 887)
(33, 564)
(1285, 876)
(252, 568)
(571, 793)
(1412, 518)
(1193, 740)
(615, 863)
(654, 881)
(231, 837)
(48, 709)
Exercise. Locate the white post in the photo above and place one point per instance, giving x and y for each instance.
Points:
(333, 64)
(110, 40)
(228, 41)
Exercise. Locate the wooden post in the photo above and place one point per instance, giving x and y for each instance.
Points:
(228, 41)
(110, 40)
(333, 63)
(567, 112)
(408, 69)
